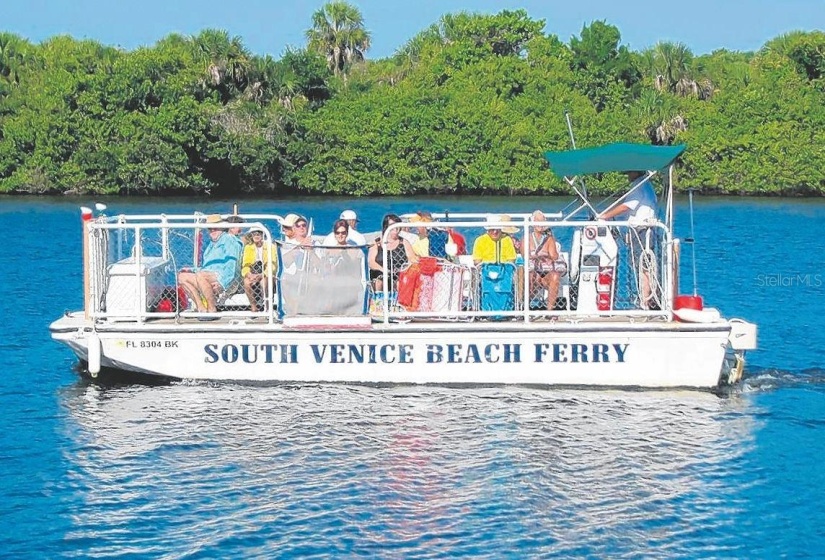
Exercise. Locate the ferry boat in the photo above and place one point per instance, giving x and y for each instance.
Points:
(602, 309)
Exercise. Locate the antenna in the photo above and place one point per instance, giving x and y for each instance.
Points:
(573, 142)
(692, 241)
(570, 128)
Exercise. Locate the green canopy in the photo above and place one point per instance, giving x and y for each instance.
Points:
(612, 157)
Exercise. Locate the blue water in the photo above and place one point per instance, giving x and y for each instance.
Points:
(195, 470)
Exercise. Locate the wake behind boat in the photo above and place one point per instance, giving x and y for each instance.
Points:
(586, 296)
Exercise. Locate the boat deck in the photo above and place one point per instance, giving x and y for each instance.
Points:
(193, 323)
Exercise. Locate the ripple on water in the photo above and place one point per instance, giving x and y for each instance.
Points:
(412, 472)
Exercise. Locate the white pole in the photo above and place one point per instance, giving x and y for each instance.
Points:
(85, 220)
(692, 241)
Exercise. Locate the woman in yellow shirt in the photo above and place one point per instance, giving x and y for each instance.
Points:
(260, 258)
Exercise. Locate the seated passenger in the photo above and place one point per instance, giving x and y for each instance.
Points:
(335, 238)
(296, 237)
(352, 219)
(431, 241)
(259, 260)
(494, 246)
(421, 243)
(343, 256)
(219, 270)
(546, 265)
(234, 219)
(399, 253)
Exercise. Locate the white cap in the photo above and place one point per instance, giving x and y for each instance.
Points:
(348, 215)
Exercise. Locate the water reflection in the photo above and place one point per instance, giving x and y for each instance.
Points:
(226, 470)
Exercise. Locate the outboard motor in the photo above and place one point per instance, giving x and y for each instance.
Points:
(595, 263)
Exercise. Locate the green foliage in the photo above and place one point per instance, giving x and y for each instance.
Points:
(466, 106)
(605, 71)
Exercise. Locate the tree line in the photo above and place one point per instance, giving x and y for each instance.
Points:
(468, 105)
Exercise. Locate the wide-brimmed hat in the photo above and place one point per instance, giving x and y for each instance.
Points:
(416, 218)
(508, 229)
(214, 219)
(493, 219)
(289, 220)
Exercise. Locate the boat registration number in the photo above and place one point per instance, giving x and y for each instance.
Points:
(151, 344)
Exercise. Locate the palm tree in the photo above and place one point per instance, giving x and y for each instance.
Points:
(228, 61)
(657, 117)
(670, 65)
(338, 34)
(263, 74)
(14, 53)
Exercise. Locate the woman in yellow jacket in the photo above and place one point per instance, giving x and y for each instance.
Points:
(260, 258)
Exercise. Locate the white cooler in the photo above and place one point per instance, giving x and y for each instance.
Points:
(131, 290)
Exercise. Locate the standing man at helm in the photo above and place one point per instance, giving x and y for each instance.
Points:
(639, 206)
(352, 219)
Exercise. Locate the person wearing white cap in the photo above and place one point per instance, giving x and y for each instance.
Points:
(352, 218)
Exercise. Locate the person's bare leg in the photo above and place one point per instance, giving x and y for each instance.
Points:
(205, 282)
(551, 281)
(249, 283)
(646, 292)
(188, 281)
(536, 286)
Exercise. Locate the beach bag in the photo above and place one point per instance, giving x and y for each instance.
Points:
(409, 287)
(544, 264)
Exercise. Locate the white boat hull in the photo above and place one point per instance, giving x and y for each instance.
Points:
(588, 354)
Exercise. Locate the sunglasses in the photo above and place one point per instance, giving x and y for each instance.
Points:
(341, 232)
(301, 225)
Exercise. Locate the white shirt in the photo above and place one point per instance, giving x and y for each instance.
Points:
(356, 237)
(642, 202)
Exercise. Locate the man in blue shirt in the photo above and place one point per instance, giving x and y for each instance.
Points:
(219, 270)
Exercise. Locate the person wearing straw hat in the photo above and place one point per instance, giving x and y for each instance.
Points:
(220, 265)
(493, 245)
